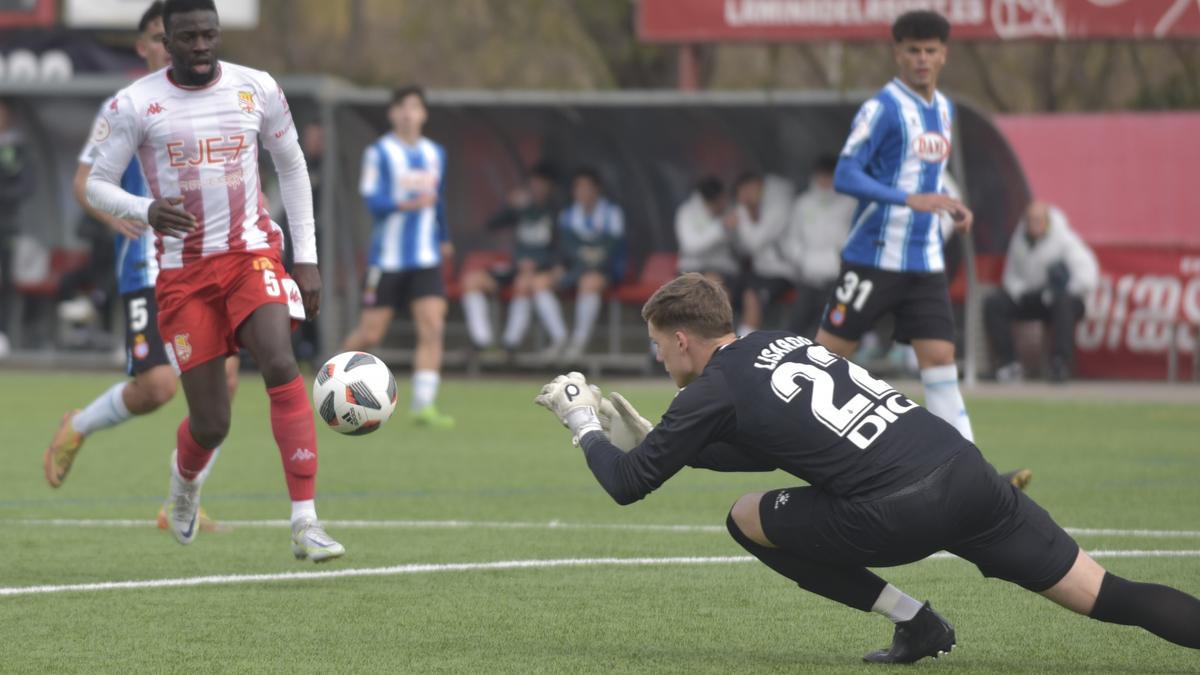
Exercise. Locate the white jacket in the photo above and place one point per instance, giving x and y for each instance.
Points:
(704, 243)
(819, 226)
(762, 240)
(1025, 269)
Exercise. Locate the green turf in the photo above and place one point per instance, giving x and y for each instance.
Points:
(1113, 465)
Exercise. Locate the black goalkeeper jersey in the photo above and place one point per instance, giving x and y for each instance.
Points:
(774, 400)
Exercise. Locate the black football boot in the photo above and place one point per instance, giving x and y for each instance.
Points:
(926, 634)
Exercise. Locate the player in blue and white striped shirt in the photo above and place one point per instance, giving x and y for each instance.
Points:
(894, 162)
(402, 185)
(592, 242)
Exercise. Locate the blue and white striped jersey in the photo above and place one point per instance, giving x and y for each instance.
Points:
(595, 240)
(393, 172)
(899, 145)
(606, 220)
(137, 259)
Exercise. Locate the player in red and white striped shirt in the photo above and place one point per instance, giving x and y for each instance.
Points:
(196, 128)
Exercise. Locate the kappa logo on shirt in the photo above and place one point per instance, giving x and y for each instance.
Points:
(154, 109)
(781, 499)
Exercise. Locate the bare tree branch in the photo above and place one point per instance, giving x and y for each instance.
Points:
(984, 71)
(1046, 81)
(1101, 84)
(815, 64)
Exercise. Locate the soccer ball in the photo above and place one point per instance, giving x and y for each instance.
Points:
(355, 393)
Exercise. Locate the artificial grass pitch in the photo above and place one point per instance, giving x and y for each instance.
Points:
(506, 485)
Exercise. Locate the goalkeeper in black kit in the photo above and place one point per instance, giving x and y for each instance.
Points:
(889, 483)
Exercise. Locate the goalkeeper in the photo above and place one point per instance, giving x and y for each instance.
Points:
(889, 483)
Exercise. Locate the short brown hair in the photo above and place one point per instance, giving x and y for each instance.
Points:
(693, 303)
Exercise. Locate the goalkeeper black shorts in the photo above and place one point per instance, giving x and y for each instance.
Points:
(963, 507)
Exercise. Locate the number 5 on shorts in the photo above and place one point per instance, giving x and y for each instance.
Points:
(271, 283)
(850, 284)
(139, 318)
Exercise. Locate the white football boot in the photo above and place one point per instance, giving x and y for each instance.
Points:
(183, 503)
(310, 541)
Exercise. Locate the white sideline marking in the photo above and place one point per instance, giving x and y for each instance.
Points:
(518, 525)
(416, 568)
(424, 568)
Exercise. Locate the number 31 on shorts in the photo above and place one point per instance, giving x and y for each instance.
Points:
(854, 291)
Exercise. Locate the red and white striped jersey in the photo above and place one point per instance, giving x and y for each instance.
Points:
(201, 144)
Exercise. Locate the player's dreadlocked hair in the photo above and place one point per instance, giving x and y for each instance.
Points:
(921, 25)
(184, 6)
(154, 11)
(692, 303)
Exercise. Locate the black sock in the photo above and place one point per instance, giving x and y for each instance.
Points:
(855, 587)
(1170, 614)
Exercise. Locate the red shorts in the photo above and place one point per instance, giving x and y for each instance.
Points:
(201, 306)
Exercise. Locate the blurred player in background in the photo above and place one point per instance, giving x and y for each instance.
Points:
(760, 215)
(16, 184)
(154, 381)
(820, 221)
(893, 163)
(705, 240)
(530, 214)
(402, 183)
(888, 482)
(196, 126)
(592, 231)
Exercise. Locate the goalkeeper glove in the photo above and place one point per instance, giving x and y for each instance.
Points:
(574, 403)
(625, 427)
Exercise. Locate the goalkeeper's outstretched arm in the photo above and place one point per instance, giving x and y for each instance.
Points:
(700, 415)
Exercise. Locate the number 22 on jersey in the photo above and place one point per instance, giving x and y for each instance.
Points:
(860, 420)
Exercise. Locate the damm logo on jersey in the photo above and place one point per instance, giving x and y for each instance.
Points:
(931, 147)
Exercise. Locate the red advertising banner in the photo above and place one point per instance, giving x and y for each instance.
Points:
(1147, 299)
(789, 20)
(27, 13)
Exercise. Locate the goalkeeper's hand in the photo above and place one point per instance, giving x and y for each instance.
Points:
(574, 403)
(622, 423)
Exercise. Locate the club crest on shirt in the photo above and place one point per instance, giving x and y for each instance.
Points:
(141, 348)
(837, 316)
(183, 348)
(246, 101)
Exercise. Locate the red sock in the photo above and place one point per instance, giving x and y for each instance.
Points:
(296, 436)
(190, 456)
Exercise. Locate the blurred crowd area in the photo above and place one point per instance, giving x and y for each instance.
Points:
(731, 182)
(561, 199)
